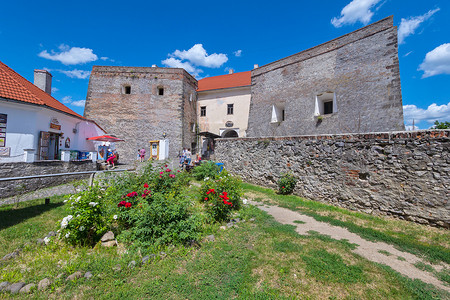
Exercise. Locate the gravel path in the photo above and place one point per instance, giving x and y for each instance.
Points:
(366, 249)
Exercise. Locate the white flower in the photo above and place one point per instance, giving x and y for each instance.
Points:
(65, 201)
(81, 228)
(99, 197)
(65, 221)
(115, 217)
(71, 197)
(67, 235)
(78, 199)
(78, 215)
(245, 201)
(206, 178)
(46, 240)
(93, 204)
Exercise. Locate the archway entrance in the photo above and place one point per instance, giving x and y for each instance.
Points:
(230, 134)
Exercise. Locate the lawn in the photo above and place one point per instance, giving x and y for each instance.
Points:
(255, 259)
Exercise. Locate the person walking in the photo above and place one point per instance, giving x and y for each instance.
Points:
(142, 154)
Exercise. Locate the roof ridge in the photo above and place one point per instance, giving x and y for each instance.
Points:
(19, 83)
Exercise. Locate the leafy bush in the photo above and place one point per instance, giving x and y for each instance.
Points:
(85, 223)
(286, 184)
(207, 169)
(222, 195)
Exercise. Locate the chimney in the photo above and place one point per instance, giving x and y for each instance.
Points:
(255, 66)
(230, 71)
(43, 80)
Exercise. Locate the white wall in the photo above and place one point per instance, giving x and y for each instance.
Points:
(25, 122)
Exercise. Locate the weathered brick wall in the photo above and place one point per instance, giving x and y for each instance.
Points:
(11, 188)
(361, 68)
(403, 174)
(143, 115)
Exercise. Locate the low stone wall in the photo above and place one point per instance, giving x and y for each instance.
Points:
(11, 188)
(403, 174)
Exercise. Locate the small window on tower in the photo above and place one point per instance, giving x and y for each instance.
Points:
(127, 89)
(161, 91)
(202, 111)
(230, 109)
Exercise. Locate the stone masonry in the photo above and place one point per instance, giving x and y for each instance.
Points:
(360, 68)
(403, 174)
(12, 188)
(143, 115)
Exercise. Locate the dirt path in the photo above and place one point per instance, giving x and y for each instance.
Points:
(365, 248)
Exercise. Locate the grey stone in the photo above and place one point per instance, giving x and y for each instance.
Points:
(40, 241)
(132, 264)
(26, 289)
(252, 220)
(109, 244)
(145, 259)
(230, 224)
(223, 227)
(88, 275)
(162, 254)
(74, 276)
(3, 285)
(210, 238)
(15, 287)
(44, 284)
(109, 236)
(60, 275)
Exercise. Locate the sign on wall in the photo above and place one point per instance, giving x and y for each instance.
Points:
(54, 124)
(3, 121)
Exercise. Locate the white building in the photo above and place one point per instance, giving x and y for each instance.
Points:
(36, 126)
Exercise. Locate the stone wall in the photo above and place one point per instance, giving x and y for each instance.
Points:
(11, 188)
(360, 68)
(143, 115)
(403, 174)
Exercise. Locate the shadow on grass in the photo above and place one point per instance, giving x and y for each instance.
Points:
(13, 216)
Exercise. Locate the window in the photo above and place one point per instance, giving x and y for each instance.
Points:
(325, 104)
(230, 108)
(202, 111)
(127, 89)
(161, 91)
(278, 114)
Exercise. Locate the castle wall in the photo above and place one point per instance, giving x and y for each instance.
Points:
(143, 115)
(362, 70)
(403, 174)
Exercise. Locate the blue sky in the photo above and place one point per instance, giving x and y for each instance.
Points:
(209, 37)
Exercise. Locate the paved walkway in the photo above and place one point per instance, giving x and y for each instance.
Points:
(366, 249)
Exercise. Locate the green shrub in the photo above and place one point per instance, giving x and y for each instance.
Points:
(207, 169)
(221, 195)
(85, 223)
(286, 184)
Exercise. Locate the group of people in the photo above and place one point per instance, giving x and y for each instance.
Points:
(186, 158)
(141, 154)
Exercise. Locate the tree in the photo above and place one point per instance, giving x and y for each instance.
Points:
(442, 125)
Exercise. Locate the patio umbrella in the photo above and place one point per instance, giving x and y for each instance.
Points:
(105, 138)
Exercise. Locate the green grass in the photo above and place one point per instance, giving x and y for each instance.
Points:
(373, 228)
(255, 260)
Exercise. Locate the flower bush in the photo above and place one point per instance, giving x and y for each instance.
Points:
(286, 184)
(207, 169)
(85, 223)
(222, 195)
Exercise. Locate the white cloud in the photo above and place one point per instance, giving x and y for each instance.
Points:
(436, 61)
(54, 89)
(176, 63)
(80, 74)
(198, 56)
(408, 26)
(356, 11)
(66, 99)
(237, 53)
(104, 58)
(407, 54)
(70, 56)
(79, 103)
(431, 114)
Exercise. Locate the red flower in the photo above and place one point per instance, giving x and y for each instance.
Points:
(146, 185)
(160, 176)
(210, 191)
(128, 204)
(161, 173)
(165, 166)
(168, 170)
(121, 203)
(206, 198)
(178, 171)
(283, 187)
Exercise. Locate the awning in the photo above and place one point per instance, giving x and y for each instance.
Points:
(209, 135)
(105, 138)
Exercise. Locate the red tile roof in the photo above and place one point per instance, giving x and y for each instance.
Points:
(15, 87)
(225, 81)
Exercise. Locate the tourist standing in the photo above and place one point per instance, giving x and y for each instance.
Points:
(142, 155)
(188, 156)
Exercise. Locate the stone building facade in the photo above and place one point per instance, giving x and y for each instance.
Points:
(141, 104)
(348, 85)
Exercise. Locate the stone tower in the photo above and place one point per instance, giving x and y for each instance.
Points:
(140, 104)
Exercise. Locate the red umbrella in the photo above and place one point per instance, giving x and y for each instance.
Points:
(105, 138)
